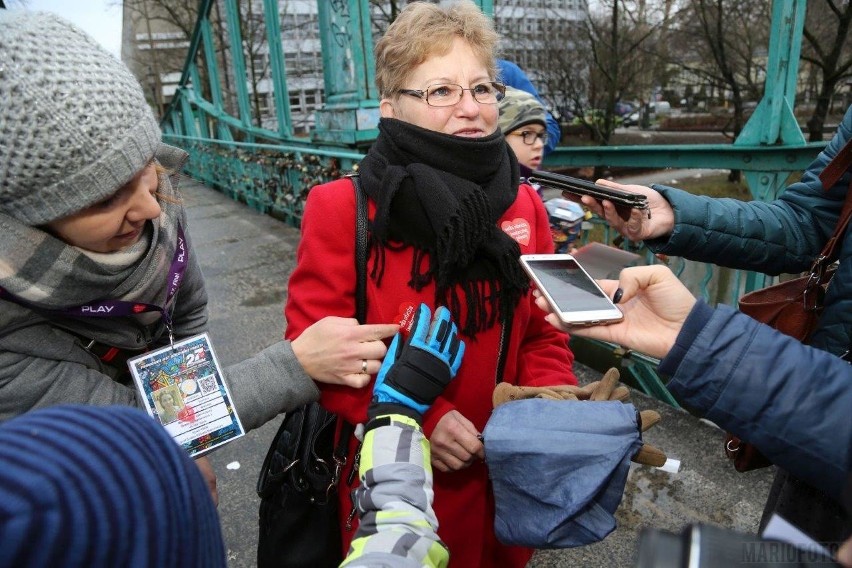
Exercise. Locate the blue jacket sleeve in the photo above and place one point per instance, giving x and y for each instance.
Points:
(510, 74)
(790, 400)
(783, 235)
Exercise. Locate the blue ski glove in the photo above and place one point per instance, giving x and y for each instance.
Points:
(417, 370)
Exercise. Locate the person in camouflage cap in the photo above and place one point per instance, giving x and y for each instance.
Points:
(522, 122)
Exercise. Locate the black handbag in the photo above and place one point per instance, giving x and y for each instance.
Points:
(297, 486)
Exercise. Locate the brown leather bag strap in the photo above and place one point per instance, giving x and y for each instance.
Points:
(832, 172)
(845, 214)
(838, 165)
(828, 251)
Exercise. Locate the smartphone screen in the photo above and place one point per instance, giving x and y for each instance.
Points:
(569, 289)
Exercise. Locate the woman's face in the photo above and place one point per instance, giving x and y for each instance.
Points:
(467, 118)
(116, 222)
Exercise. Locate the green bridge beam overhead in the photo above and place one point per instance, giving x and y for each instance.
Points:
(277, 68)
(351, 112)
(238, 62)
(773, 121)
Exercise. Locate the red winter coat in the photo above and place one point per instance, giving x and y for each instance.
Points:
(323, 284)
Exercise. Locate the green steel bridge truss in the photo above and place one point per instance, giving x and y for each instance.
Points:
(272, 169)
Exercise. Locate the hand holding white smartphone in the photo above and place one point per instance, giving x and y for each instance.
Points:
(573, 295)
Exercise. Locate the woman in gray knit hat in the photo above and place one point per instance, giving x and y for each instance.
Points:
(91, 223)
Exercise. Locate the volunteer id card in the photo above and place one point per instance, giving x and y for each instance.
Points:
(183, 388)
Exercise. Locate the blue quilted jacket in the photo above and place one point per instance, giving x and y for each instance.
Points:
(790, 400)
(782, 236)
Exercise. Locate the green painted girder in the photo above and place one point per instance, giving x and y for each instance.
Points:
(238, 63)
(350, 115)
(212, 67)
(194, 41)
(306, 147)
(773, 121)
(278, 69)
(487, 6)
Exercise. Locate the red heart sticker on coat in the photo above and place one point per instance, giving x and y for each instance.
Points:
(518, 229)
(405, 317)
(138, 308)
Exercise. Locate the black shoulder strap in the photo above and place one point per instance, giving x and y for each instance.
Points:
(361, 221)
(360, 250)
(505, 335)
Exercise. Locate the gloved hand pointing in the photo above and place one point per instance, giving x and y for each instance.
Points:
(416, 370)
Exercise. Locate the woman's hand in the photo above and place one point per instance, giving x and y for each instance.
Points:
(340, 351)
(638, 227)
(654, 303)
(455, 443)
(844, 555)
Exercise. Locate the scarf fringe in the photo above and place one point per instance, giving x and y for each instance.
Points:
(443, 195)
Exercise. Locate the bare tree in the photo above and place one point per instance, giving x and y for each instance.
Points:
(167, 26)
(724, 42)
(828, 47)
(589, 66)
(384, 12)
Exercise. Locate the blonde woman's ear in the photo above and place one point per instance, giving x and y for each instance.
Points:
(386, 109)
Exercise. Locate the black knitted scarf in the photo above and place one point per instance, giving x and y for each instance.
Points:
(443, 195)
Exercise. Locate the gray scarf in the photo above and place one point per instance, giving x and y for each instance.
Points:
(47, 273)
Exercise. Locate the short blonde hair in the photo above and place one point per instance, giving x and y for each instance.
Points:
(424, 29)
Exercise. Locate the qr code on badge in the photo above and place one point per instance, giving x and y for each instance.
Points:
(208, 384)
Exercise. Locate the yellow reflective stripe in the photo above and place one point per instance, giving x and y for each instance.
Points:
(356, 550)
(399, 420)
(437, 557)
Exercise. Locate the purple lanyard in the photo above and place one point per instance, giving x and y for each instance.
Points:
(116, 308)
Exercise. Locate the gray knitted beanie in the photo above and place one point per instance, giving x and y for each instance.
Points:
(519, 108)
(74, 124)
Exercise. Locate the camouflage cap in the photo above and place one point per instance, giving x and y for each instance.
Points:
(519, 108)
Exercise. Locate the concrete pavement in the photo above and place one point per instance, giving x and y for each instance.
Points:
(247, 257)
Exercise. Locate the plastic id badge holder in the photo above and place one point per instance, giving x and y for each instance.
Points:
(183, 388)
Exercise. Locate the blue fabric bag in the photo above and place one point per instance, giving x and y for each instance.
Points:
(558, 469)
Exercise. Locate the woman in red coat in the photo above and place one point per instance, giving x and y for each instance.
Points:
(448, 222)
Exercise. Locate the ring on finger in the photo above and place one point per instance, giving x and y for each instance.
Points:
(364, 366)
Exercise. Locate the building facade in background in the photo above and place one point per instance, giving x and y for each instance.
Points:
(156, 36)
(527, 27)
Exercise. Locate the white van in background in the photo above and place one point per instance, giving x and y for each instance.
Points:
(661, 108)
(655, 111)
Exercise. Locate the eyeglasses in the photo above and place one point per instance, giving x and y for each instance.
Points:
(447, 94)
(530, 137)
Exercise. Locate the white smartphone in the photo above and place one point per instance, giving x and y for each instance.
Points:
(573, 295)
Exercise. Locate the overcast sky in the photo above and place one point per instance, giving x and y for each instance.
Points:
(99, 18)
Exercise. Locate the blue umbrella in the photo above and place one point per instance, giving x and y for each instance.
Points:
(558, 469)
